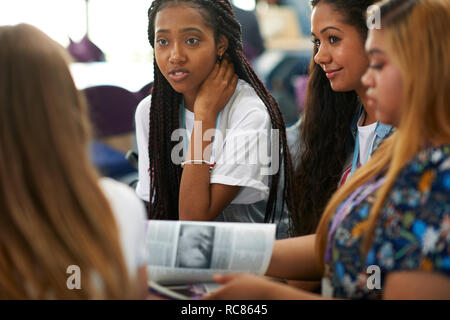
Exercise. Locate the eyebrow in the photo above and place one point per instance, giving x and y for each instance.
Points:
(190, 29)
(374, 51)
(327, 28)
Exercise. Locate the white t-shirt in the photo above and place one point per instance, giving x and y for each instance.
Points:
(129, 212)
(249, 127)
(366, 136)
(245, 116)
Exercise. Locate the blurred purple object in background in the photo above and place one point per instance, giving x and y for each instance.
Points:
(85, 50)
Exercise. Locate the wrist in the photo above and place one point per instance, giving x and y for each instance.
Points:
(207, 121)
(205, 115)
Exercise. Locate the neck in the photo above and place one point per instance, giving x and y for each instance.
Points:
(370, 114)
(189, 100)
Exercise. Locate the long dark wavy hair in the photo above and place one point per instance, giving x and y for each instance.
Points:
(164, 114)
(325, 131)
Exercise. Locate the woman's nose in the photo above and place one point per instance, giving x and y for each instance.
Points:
(322, 56)
(367, 79)
(176, 54)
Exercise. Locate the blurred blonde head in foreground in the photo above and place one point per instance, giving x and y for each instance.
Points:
(52, 211)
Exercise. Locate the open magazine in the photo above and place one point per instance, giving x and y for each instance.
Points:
(184, 255)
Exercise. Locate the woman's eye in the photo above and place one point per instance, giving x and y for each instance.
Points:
(375, 66)
(334, 39)
(316, 42)
(192, 41)
(161, 42)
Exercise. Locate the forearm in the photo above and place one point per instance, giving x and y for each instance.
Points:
(195, 190)
(278, 291)
(247, 286)
(295, 259)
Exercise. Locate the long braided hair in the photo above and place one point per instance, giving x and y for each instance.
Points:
(164, 114)
(325, 130)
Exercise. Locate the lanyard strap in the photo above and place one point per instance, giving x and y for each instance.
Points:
(363, 191)
(355, 155)
(185, 138)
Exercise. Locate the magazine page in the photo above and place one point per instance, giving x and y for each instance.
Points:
(188, 252)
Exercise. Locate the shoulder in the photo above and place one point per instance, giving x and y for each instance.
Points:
(430, 164)
(143, 108)
(432, 168)
(415, 221)
(129, 212)
(247, 104)
(123, 200)
(423, 180)
(245, 92)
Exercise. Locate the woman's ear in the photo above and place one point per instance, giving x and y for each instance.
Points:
(222, 45)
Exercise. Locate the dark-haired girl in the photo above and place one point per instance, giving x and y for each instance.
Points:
(203, 82)
(338, 130)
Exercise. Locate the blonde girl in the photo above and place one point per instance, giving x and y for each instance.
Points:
(56, 215)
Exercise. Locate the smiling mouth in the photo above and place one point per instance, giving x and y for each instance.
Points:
(331, 74)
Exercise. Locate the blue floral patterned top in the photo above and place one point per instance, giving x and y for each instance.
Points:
(413, 231)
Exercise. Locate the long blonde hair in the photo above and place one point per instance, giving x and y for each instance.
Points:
(418, 40)
(53, 213)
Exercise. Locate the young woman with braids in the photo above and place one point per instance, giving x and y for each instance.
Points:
(55, 210)
(338, 131)
(385, 233)
(202, 81)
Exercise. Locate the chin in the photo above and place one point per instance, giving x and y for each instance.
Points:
(384, 118)
(338, 87)
(177, 91)
(178, 88)
(341, 86)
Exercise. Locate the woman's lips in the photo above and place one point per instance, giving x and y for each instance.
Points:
(371, 102)
(178, 75)
(332, 74)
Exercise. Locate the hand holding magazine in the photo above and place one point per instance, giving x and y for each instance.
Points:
(184, 255)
